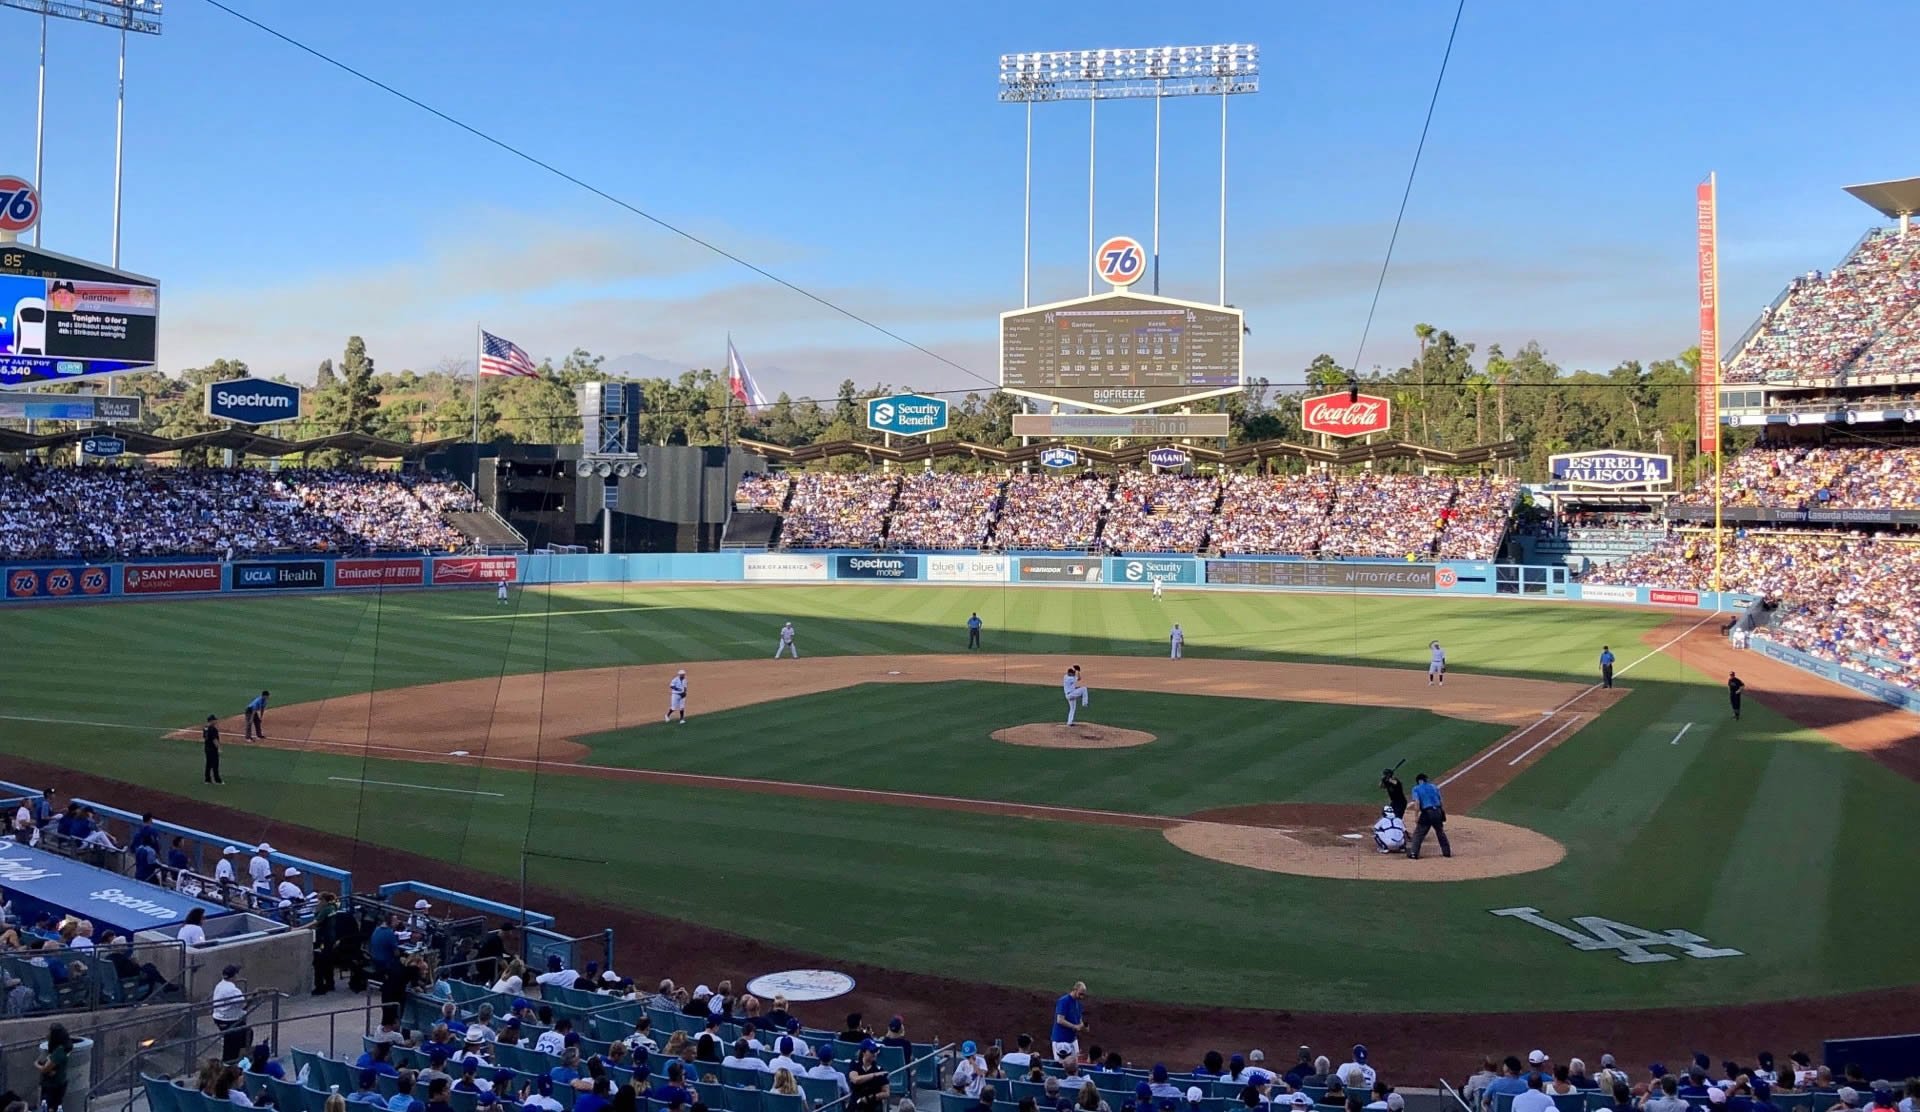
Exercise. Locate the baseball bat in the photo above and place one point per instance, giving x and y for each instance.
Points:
(1398, 763)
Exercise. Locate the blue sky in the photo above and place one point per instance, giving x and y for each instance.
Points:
(858, 149)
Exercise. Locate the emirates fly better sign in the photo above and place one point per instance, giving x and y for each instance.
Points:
(1337, 415)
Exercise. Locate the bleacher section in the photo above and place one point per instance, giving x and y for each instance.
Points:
(1852, 320)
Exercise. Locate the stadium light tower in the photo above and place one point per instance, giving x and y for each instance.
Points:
(138, 16)
(1222, 69)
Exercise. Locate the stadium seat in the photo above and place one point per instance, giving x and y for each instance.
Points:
(286, 1095)
(1503, 1102)
(1570, 1102)
(1018, 1091)
(779, 1102)
(956, 1102)
(463, 1101)
(740, 1077)
(160, 1094)
(819, 1090)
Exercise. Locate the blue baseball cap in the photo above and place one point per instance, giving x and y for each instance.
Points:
(869, 1044)
(437, 1055)
(826, 1054)
(502, 1075)
(1159, 1071)
(544, 1084)
(1360, 1053)
(368, 1078)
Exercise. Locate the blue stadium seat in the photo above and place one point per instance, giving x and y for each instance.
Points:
(740, 1077)
(957, 1102)
(778, 1102)
(740, 1098)
(160, 1094)
(1569, 1102)
(819, 1090)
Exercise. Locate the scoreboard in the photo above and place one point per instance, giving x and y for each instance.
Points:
(1121, 352)
(1322, 574)
(63, 318)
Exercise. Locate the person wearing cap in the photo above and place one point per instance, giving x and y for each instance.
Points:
(403, 1099)
(969, 1070)
(260, 868)
(823, 1070)
(867, 1079)
(1256, 1067)
(1069, 1021)
(229, 1002)
(210, 750)
(896, 1037)
(785, 1059)
(1161, 1086)
(1359, 1062)
(436, 1065)
(558, 973)
(290, 886)
(1389, 831)
(539, 1094)
(223, 870)
(677, 697)
(256, 718)
(378, 1057)
(672, 1088)
(369, 1090)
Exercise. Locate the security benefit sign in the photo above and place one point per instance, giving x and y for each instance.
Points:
(1611, 469)
(253, 401)
(1145, 569)
(907, 414)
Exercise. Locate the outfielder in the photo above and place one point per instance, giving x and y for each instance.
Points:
(786, 643)
(1176, 640)
(677, 696)
(1437, 665)
(501, 594)
(1156, 588)
(1389, 834)
(1075, 691)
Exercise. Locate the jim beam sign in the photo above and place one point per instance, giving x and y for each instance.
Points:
(1342, 416)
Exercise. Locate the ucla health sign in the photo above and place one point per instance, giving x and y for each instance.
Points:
(253, 401)
(907, 414)
(1612, 469)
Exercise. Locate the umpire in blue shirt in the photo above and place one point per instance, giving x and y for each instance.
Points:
(1433, 817)
(1606, 666)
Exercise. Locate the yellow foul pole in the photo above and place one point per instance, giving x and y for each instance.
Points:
(1707, 401)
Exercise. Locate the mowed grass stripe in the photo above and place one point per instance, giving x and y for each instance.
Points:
(935, 738)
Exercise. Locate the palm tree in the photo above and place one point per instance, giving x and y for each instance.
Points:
(1423, 333)
(1499, 370)
(1477, 386)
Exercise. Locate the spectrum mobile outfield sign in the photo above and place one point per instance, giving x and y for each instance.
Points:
(253, 401)
(876, 567)
(906, 414)
(1611, 469)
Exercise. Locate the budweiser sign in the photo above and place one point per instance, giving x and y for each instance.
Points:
(1335, 415)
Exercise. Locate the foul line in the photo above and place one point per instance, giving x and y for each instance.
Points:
(413, 787)
(1681, 734)
(1570, 723)
(1547, 716)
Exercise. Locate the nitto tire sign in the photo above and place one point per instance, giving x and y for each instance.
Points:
(280, 576)
(876, 567)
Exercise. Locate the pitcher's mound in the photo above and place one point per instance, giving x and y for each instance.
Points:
(1481, 848)
(1080, 735)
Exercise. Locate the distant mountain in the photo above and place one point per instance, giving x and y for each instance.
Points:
(644, 366)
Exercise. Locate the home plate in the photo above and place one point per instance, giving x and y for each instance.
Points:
(459, 753)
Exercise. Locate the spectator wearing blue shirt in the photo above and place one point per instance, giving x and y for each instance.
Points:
(177, 854)
(1433, 817)
(148, 834)
(376, 1059)
(369, 1091)
(145, 863)
(1069, 1023)
(596, 1099)
(384, 947)
(673, 1089)
(1511, 1082)
(403, 1100)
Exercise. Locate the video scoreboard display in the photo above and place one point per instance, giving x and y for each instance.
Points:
(1322, 574)
(1119, 352)
(63, 318)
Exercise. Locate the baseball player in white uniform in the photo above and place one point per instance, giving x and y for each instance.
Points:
(502, 593)
(1389, 834)
(677, 696)
(1076, 692)
(786, 643)
(1437, 665)
(1177, 641)
(1156, 588)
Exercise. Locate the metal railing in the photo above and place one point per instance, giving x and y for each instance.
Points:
(842, 1103)
(180, 1028)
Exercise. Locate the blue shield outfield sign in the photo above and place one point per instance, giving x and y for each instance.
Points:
(1059, 457)
(1611, 469)
(103, 446)
(907, 414)
(253, 401)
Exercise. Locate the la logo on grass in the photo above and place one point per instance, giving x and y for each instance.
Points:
(1632, 944)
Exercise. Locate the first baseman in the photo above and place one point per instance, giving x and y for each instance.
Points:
(257, 718)
(1075, 691)
(1437, 665)
(786, 643)
(677, 696)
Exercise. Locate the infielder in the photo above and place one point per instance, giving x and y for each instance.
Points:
(786, 643)
(1176, 641)
(1156, 588)
(256, 718)
(1437, 665)
(1389, 834)
(1076, 692)
(501, 594)
(677, 696)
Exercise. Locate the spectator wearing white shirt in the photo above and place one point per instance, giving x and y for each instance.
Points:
(1535, 1099)
(223, 872)
(823, 1071)
(191, 932)
(742, 1058)
(1345, 1072)
(554, 1040)
(260, 868)
(969, 1071)
(1021, 1058)
(558, 973)
(784, 1059)
(229, 1002)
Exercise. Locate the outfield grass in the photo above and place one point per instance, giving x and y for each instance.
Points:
(1758, 836)
(935, 738)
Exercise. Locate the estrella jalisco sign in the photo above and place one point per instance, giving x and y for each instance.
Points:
(1609, 468)
(253, 401)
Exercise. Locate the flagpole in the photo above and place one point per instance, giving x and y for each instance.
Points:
(726, 413)
(476, 410)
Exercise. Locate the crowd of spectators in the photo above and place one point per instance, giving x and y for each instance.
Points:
(1827, 320)
(1160, 513)
(131, 512)
(1051, 512)
(1273, 513)
(1896, 351)
(832, 509)
(939, 509)
(1803, 478)
(1844, 598)
(765, 493)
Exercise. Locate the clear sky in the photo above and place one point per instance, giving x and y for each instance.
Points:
(858, 149)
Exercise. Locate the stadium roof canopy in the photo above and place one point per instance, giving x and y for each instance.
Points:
(1137, 453)
(240, 440)
(1896, 199)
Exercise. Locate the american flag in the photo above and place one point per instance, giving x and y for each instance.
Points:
(504, 357)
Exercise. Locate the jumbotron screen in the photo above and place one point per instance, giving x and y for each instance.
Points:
(1121, 351)
(63, 318)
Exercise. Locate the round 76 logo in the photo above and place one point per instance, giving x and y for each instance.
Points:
(23, 582)
(1121, 261)
(19, 204)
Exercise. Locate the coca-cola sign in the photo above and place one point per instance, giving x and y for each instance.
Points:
(1335, 415)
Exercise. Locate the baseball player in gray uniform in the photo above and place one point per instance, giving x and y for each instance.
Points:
(1076, 692)
(786, 643)
(677, 696)
(1436, 665)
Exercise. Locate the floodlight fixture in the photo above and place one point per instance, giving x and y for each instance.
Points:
(142, 17)
(1130, 72)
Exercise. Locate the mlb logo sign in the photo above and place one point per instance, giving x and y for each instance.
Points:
(1059, 457)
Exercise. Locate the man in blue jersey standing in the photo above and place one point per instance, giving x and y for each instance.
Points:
(1069, 1023)
(1433, 817)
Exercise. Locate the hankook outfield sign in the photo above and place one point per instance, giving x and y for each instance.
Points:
(253, 401)
(1611, 469)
